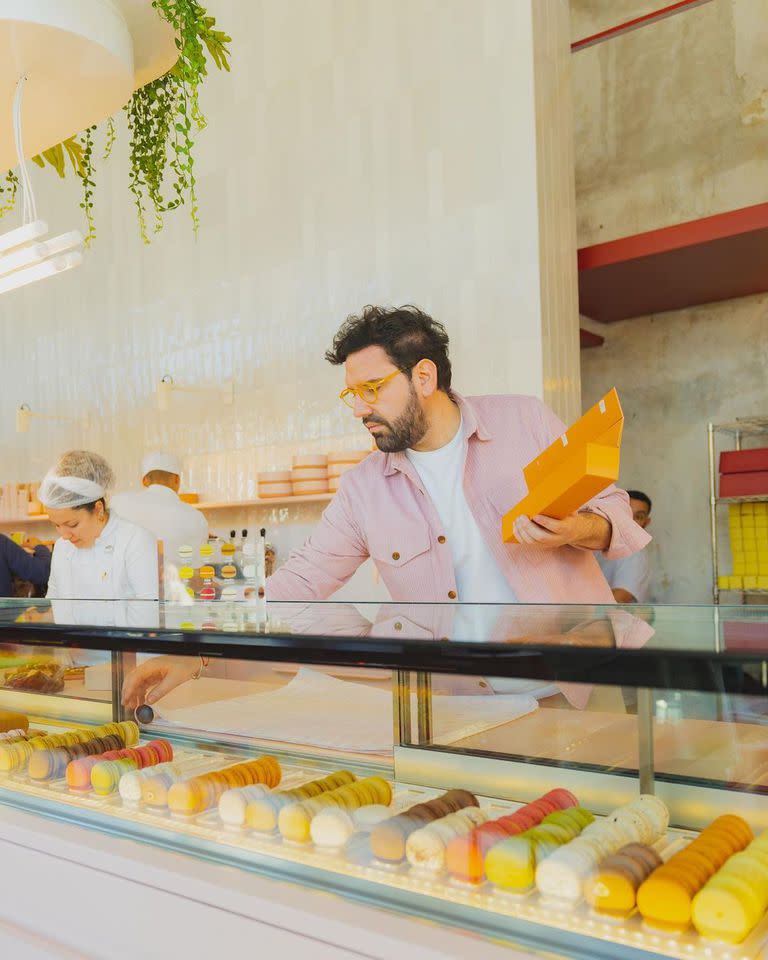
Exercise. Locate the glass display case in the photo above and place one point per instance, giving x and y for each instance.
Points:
(583, 781)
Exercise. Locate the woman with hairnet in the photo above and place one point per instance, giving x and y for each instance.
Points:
(98, 555)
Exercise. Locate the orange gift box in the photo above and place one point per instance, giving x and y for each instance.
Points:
(573, 469)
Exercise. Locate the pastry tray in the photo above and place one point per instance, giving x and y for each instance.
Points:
(575, 919)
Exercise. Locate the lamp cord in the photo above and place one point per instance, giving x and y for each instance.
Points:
(30, 207)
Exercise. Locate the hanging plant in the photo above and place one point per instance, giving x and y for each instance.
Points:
(162, 118)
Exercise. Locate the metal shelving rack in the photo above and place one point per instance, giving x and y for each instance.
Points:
(738, 430)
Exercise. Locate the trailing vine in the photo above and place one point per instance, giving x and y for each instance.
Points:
(162, 117)
(10, 187)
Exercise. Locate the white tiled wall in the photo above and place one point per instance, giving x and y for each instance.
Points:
(360, 151)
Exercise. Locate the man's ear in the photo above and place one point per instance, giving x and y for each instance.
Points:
(425, 377)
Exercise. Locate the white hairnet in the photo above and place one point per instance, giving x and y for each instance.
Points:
(80, 477)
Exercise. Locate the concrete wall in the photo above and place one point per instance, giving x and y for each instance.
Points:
(671, 126)
(670, 119)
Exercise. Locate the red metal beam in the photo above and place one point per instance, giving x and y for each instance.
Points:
(588, 339)
(690, 234)
(716, 258)
(670, 10)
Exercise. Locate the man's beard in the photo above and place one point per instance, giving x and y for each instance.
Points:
(405, 432)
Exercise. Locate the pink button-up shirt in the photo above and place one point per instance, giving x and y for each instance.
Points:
(382, 511)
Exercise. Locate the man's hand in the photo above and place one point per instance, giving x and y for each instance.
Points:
(577, 530)
(154, 678)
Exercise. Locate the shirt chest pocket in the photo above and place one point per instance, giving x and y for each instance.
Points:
(399, 544)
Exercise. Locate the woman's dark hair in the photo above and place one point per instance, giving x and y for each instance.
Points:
(406, 333)
(90, 507)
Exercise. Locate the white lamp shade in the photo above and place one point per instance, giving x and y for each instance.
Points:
(82, 62)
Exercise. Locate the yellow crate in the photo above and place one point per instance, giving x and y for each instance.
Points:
(738, 567)
(762, 582)
(747, 509)
(750, 583)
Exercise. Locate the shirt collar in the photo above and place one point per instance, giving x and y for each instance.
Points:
(108, 533)
(473, 427)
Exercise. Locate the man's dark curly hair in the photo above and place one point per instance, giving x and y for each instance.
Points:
(406, 333)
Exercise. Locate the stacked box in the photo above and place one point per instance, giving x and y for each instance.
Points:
(748, 528)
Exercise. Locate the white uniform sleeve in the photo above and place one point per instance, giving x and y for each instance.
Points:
(141, 565)
(633, 574)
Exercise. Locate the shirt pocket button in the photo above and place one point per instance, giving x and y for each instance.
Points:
(395, 555)
(451, 594)
(441, 539)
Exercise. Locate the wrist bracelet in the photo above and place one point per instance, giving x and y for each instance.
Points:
(199, 672)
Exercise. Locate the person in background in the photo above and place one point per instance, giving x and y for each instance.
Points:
(158, 508)
(31, 563)
(99, 555)
(629, 577)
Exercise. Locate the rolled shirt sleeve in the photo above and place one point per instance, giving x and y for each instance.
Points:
(326, 561)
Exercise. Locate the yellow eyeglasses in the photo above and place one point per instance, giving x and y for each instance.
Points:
(368, 391)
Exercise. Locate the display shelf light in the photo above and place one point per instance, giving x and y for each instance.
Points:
(33, 253)
(168, 385)
(25, 257)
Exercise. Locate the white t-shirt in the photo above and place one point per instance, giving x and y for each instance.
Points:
(632, 573)
(159, 510)
(479, 579)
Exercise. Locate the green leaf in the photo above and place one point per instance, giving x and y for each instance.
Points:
(75, 153)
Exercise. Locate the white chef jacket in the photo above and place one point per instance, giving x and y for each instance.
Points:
(632, 573)
(159, 510)
(121, 565)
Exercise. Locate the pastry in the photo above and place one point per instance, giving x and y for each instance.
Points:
(564, 875)
(262, 813)
(735, 899)
(51, 764)
(44, 676)
(79, 772)
(665, 899)
(152, 783)
(234, 803)
(512, 863)
(357, 849)
(192, 796)
(295, 819)
(613, 887)
(332, 827)
(13, 721)
(389, 837)
(465, 856)
(367, 817)
(425, 848)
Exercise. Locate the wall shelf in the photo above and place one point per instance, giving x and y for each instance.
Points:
(213, 505)
(702, 261)
(16, 521)
(270, 502)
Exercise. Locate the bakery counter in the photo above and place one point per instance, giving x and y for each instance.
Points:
(516, 788)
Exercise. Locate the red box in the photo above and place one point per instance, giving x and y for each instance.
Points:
(744, 484)
(746, 635)
(744, 461)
